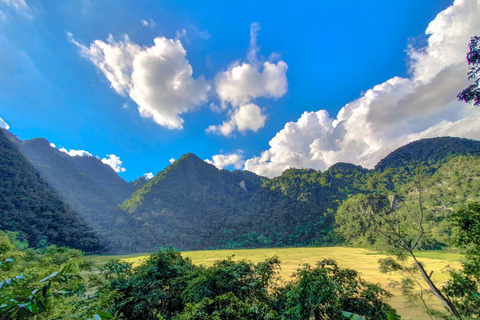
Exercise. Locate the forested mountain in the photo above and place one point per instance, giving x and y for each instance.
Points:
(193, 205)
(29, 205)
(429, 150)
(93, 189)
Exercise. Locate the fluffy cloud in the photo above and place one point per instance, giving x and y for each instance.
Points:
(242, 83)
(148, 175)
(158, 78)
(74, 153)
(221, 160)
(245, 117)
(114, 162)
(4, 125)
(392, 113)
(172, 160)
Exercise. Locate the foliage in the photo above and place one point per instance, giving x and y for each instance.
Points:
(326, 291)
(151, 290)
(227, 306)
(43, 283)
(471, 94)
(464, 286)
(167, 286)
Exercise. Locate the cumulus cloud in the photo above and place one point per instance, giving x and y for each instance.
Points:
(158, 78)
(4, 125)
(243, 82)
(114, 162)
(148, 175)
(390, 114)
(245, 117)
(223, 160)
(74, 153)
(172, 160)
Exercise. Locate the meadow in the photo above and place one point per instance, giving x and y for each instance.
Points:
(363, 260)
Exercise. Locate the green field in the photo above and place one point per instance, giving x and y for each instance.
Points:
(362, 260)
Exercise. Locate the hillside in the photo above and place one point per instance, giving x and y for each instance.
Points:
(90, 187)
(193, 205)
(429, 150)
(29, 205)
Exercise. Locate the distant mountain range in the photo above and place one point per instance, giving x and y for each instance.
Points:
(193, 205)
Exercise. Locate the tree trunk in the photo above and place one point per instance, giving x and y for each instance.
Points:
(435, 290)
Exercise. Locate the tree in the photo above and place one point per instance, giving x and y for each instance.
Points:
(464, 286)
(472, 92)
(327, 291)
(403, 230)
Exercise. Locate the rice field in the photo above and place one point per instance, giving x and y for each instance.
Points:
(362, 260)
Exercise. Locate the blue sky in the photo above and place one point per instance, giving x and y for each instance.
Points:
(263, 85)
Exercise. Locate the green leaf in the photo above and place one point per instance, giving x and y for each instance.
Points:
(49, 277)
(352, 316)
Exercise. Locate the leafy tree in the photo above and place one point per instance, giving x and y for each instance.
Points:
(464, 286)
(227, 307)
(152, 289)
(43, 283)
(471, 94)
(330, 292)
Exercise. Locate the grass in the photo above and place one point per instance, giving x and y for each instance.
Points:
(362, 260)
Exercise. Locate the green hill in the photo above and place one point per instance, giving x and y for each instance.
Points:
(429, 151)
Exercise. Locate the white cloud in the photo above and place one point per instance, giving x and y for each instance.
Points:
(172, 160)
(19, 6)
(158, 78)
(114, 162)
(4, 125)
(75, 153)
(181, 34)
(242, 83)
(245, 117)
(392, 113)
(150, 23)
(223, 160)
(148, 175)
(53, 145)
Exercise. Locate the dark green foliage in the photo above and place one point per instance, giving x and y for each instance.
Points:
(29, 205)
(153, 289)
(471, 94)
(168, 286)
(464, 286)
(44, 283)
(227, 307)
(247, 281)
(326, 291)
(450, 186)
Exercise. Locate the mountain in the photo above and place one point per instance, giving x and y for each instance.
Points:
(193, 205)
(429, 150)
(90, 187)
(29, 205)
